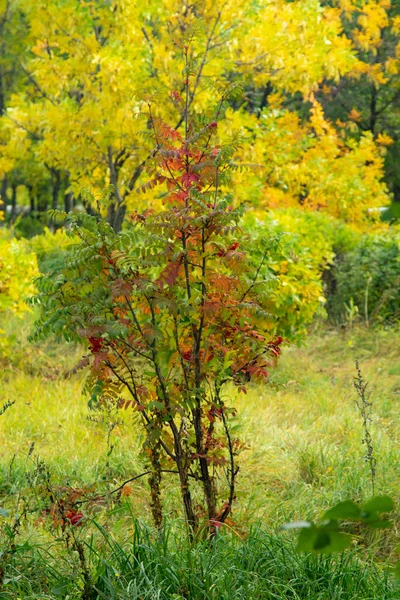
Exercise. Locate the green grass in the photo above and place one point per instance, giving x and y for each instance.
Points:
(303, 452)
(153, 567)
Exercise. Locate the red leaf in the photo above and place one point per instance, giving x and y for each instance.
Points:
(96, 344)
(189, 179)
(169, 275)
(74, 517)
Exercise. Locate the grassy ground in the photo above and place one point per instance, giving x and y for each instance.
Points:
(303, 452)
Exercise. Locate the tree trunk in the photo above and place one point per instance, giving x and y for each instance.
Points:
(155, 487)
(68, 202)
(208, 485)
(55, 191)
(116, 214)
(373, 109)
(117, 209)
(56, 184)
(3, 194)
(31, 199)
(13, 201)
(2, 97)
(118, 217)
(187, 501)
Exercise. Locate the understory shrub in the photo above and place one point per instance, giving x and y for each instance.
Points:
(323, 267)
(28, 226)
(368, 277)
(50, 249)
(18, 268)
(303, 249)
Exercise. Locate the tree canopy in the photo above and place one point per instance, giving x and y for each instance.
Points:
(309, 99)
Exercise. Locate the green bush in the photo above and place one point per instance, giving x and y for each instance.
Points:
(50, 249)
(366, 280)
(302, 251)
(18, 267)
(324, 267)
(28, 226)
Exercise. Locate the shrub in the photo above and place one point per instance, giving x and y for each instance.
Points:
(18, 267)
(302, 251)
(172, 315)
(28, 226)
(50, 249)
(368, 277)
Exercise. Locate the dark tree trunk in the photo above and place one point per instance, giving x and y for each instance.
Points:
(55, 192)
(373, 108)
(118, 217)
(264, 100)
(31, 199)
(56, 184)
(2, 98)
(3, 194)
(13, 201)
(117, 209)
(116, 214)
(68, 202)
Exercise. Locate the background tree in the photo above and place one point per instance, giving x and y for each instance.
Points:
(93, 66)
(367, 98)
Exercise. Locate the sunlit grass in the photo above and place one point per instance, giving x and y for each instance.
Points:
(302, 433)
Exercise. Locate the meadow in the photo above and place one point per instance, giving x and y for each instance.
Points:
(302, 452)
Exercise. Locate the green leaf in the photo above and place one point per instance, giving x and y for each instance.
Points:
(392, 212)
(4, 513)
(343, 510)
(156, 405)
(61, 588)
(337, 542)
(306, 539)
(322, 541)
(378, 505)
(378, 524)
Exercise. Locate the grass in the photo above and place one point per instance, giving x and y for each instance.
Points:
(303, 452)
(151, 567)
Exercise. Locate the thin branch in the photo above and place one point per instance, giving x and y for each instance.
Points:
(253, 283)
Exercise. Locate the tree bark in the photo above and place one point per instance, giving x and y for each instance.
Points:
(68, 202)
(373, 108)
(13, 201)
(55, 185)
(31, 199)
(3, 193)
(117, 208)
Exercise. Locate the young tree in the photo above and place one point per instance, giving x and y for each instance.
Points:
(171, 315)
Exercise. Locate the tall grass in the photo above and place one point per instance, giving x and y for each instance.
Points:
(302, 452)
(150, 566)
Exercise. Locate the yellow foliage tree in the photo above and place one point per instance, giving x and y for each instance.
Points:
(94, 66)
(367, 98)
